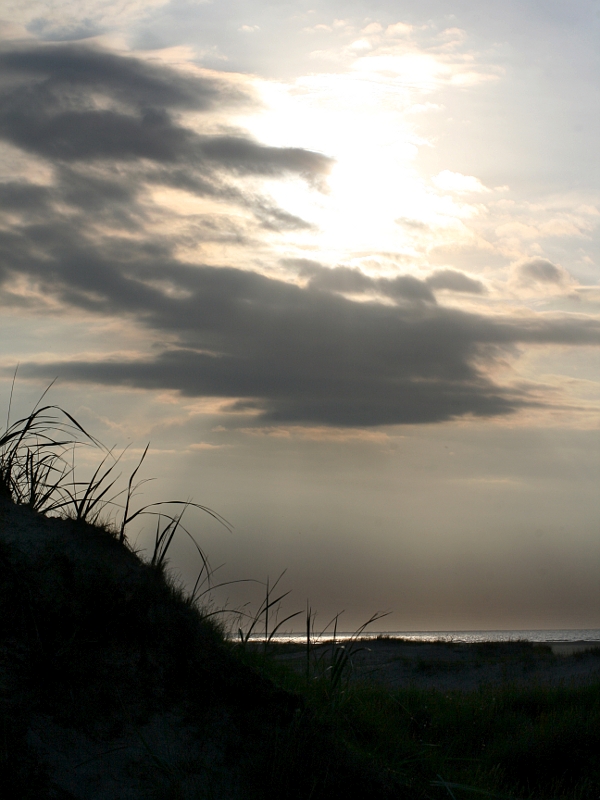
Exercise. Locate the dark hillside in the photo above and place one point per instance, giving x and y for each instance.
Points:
(113, 684)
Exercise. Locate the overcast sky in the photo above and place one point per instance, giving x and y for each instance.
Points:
(339, 265)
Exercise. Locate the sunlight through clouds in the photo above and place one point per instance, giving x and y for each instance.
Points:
(364, 117)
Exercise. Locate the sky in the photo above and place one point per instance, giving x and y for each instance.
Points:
(339, 265)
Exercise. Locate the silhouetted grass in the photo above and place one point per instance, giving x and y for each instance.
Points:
(96, 645)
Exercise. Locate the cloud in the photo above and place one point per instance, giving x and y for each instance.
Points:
(460, 184)
(542, 278)
(350, 280)
(399, 30)
(74, 104)
(542, 271)
(56, 78)
(454, 281)
(88, 236)
(286, 353)
(111, 128)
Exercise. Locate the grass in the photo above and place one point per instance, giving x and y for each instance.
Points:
(107, 651)
(534, 742)
(517, 742)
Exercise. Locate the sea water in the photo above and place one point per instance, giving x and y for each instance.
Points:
(558, 635)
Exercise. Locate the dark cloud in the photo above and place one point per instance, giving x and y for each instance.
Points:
(406, 286)
(247, 156)
(73, 104)
(111, 126)
(24, 197)
(347, 280)
(540, 270)
(454, 281)
(276, 219)
(295, 354)
(55, 78)
(350, 280)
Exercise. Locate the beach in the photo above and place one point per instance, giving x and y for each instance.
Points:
(444, 665)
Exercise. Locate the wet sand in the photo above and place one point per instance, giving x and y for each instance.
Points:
(397, 663)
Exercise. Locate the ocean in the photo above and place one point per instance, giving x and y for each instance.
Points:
(558, 635)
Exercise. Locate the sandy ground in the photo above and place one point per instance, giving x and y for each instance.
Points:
(397, 663)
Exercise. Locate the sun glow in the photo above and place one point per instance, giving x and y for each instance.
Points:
(375, 200)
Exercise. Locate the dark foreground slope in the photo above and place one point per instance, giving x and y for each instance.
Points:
(113, 685)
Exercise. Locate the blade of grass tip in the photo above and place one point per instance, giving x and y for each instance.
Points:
(374, 618)
(253, 625)
(283, 621)
(39, 421)
(156, 540)
(130, 491)
(278, 599)
(164, 533)
(329, 624)
(278, 579)
(259, 613)
(170, 532)
(227, 583)
(267, 615)
(182, 527)
(44, 393)
(270, 603)
(94, 481)
(78, 425)
(201, 553)
(198, 583)
(178, 525)
(308, 614)
(12, 389)
(91, 500)
(187, 504)
(144, 511)
(165, 539)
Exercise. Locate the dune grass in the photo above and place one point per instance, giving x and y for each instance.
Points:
(99, 647)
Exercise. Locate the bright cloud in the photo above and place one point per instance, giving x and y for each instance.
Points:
(455, 182)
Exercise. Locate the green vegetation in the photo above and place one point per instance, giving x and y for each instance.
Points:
(116, 683)
(513, 742)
